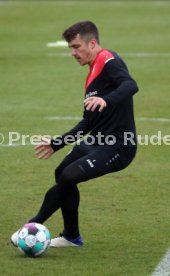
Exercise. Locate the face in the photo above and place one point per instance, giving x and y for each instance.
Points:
(81, 50)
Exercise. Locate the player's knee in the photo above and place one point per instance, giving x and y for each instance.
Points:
(67, 176)
(63, 177)
(72, 175)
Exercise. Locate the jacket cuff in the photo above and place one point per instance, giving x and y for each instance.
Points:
(57, 143)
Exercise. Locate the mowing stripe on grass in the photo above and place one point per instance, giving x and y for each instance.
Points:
(163, 268)
(82, 3)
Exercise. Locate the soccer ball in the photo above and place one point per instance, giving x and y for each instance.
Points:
(33, 239)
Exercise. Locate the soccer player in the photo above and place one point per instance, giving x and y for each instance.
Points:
(108, 119)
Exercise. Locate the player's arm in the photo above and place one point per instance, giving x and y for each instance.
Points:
(125, 86)
(76, 133)
(47, 147)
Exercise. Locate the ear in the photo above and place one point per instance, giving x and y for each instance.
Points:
(92, 43)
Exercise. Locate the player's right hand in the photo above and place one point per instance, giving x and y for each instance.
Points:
(92, 103)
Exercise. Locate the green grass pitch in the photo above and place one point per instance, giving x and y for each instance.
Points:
(127, 231)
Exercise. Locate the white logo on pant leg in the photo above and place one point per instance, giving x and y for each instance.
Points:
(90, 163)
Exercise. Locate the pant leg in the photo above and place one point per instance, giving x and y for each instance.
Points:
(70, 205)
(57, 197)
(97, 162)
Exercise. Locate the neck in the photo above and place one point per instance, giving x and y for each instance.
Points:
(94, 54)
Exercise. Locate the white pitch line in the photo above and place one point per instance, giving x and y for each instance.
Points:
(136, 55)
(64, 118)
(76, 118)
(59, 43)
(14, 145)
(164, 120)
(141, 139)
(145, 54)
(163, 268)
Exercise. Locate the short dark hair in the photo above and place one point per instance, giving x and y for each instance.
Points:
(86, 29)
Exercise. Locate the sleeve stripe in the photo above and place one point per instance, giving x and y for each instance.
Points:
(109, 59)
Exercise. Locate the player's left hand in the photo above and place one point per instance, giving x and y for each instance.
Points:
(44, 149)
(92, 103)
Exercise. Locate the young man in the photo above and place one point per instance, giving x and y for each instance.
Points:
(108, 116)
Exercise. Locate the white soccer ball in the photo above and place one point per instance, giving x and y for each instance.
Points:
(33, 239)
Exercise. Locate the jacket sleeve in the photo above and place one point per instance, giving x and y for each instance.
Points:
(76, 133)
(125, 86)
